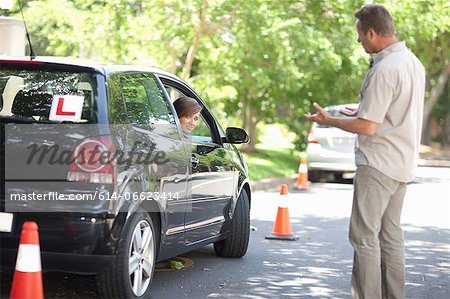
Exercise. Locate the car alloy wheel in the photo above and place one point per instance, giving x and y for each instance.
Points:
(141, 258)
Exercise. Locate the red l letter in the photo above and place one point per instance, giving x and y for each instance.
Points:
(59, 108)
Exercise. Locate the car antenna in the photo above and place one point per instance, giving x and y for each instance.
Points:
(32, 55)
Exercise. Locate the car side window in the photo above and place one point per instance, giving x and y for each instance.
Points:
(202, 132)
(173, 92)
(144, 100)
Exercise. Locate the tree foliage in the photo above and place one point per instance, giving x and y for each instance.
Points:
(253, 61)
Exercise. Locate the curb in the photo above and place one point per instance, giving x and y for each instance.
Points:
(272, 183)
(434, 163)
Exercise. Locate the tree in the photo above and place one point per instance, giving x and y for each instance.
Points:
(435, 93)
(425, 26)
(278, 57)
(254, 61)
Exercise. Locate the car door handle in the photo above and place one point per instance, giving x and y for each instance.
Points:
(204, 150)
(194, 161)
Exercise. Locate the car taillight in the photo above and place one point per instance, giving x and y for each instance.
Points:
(312, 138)
(93, 161)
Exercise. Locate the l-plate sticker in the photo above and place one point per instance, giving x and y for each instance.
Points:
(66, 108)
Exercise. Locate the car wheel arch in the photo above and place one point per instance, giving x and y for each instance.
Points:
(135, 184)
(244, 186)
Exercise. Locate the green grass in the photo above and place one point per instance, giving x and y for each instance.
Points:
(272, 163)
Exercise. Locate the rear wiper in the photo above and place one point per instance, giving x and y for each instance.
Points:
(16, 119)
(47, 121)
(29, 120)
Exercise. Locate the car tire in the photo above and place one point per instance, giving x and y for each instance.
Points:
(239, 227)
(136, 248)
(314, 175)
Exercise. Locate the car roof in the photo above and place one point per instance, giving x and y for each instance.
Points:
(102, 67)
(341, 106)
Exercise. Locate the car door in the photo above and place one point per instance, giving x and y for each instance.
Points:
(153, 132)
(211, 176)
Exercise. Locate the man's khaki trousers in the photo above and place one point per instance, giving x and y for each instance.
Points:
(376, 236)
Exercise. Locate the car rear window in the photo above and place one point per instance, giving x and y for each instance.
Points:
(48, 96)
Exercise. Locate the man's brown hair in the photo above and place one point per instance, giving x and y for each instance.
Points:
(376, 17)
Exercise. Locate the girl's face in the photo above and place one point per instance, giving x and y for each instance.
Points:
(188, 123)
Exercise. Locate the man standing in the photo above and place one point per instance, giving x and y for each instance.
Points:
(388, 123)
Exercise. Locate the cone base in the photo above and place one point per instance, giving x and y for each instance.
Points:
(285, 238)
(300, 188)
(27, 285)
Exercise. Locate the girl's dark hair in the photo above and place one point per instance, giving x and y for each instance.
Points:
(376, 17)
(186, 106)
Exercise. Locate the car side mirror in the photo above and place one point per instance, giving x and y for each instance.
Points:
(236, 135)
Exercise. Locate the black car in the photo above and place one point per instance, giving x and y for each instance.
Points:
(94, 154)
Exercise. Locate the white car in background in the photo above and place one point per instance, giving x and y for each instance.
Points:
(331, 150)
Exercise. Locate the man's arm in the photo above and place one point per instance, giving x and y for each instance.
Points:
(354, 125)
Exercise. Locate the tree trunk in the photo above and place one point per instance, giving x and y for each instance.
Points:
(250, 122)
(186, 73)
(173, 58)
(446, 133)
(428, 108)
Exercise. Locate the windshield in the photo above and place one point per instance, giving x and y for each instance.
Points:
(46, 96)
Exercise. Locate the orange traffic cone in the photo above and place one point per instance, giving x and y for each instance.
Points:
(282, 229)
(302, 178)
(27, 280)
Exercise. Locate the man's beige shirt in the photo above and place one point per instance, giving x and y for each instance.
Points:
(393, 96)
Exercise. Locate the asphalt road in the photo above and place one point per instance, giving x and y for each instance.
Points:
(318, 264)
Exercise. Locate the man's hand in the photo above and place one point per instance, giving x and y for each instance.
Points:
(354, 125)
(321, 116)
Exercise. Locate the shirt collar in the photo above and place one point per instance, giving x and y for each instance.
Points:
(395, 47)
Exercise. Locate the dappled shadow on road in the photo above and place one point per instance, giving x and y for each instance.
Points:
(427, 262)
(318, 265)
